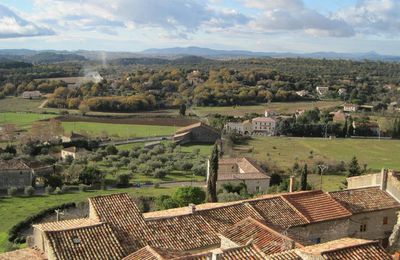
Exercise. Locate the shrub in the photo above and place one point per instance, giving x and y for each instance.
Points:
(183, 196)
(12, 191)
(57, 191)
(29, 191)
(123, 153)
(111, 150)
(123, 179)
(125, 161)
(157, 185)
(145, 169)
(6, 156)
(184, 166)
(133, 166)
(83, 187)
(48, 190)
(144, 157)
(160, 173)
(199, 170)
(228, 196)
(65, 189)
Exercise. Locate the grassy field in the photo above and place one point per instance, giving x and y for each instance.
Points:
(23, 120)
(17, 104)
(329, 182)
(205, 149)
(280, 107)
(16, 209)
(120, 130)
(283, 151)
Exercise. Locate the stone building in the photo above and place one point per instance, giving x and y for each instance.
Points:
(74, 152)
(31, 94)
(242, 170)
(197, 133)
(15, 173)
(264, 126)
(72, 137)
(243, 128)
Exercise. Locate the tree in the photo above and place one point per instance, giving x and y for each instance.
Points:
(303, 182)
(83, 108)
(123, 179)
(184, 196)
(90, 175)
(182, 110)
(350, 130)
(213, 175)
(353, 168)
(345, 128)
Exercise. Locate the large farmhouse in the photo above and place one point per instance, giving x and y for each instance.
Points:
(197, 133)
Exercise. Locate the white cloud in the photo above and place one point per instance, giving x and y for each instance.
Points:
(373, 16)
(13, 26)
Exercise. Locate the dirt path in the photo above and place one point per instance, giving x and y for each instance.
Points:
(43, 104)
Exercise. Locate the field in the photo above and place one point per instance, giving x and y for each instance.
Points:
(17, 104)
(118, 130)
(23, 120)
(283, 151)
(282, 108)
(16, 209)
(329, 182)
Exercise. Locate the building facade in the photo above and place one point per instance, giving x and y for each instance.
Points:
(15, 173)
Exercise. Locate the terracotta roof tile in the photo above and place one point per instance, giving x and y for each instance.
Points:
(13, 164)
(66, 224)
(154, 253)
(317, 206)
(365, 199)
(269, 241)
(195, 125)
(286, 255)
(248, 252)
(23, 254)
(94, 242)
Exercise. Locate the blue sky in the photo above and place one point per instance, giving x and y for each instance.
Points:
(258, 25)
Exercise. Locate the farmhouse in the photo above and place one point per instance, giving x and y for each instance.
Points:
(197, 133)
(31, 94)
(366, 128)
(74, 152)
(15, 173)
(242, 170)
(302, 93)
(342, 92)
(322, 91)
(348, 107)
(264, 126)
(72, 137)
(243, 128)
(298, 225)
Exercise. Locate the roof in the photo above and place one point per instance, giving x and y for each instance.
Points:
(13, 164)
(365, 199)
(286, 255)
(243, 252)
(93, 242)
(348, 248)
(74, 149)
(182, 233)
(66, 224)
(74, 135)
(22, 254)
(195, 125)
(121, 212)
(154, 253)
(317, 206)
(248, 169)
(269, 241)
(264, 119)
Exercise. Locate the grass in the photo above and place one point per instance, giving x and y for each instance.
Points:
(17, 104)
(329, 182)
(23, 120)
(284, 151)
(205, 149)
(120, 130)
(16, 209)
(280, 107)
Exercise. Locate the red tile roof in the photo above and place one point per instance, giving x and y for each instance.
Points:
(264, 119)
(247, 169)
(23, 254)
(365, 199)
(286, 255)
(94, 242)
(269, 241)
(195, 125)
(317, 206)
(66, 224)
(154, 253)
(245, 252)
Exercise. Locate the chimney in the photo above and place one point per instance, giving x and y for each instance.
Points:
(291, 184)
(192, 208)
(384, 177)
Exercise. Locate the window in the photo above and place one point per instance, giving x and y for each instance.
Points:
(363, 227)
(258, 189)
(385, 220)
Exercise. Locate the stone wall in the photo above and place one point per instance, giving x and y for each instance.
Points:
(252, 185)
(363, 181)
(15, 178)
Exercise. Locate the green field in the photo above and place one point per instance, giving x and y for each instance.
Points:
(280, 107)
(23, 120)
(329, 182)
(118, 130)
(17, 104)
(16, 209)
(283, 151)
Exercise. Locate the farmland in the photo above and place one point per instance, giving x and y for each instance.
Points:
(17, 104)
(284, 151)
(22, 120)
(282, 108)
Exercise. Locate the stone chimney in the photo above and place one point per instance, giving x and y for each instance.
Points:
(384, 177)
(291, 184)
(192, 208)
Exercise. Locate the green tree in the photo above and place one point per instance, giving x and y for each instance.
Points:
(353, 168)
(350, 130)
(303, 182)
(184, 196)
(182, 110)
(345, 128)
(213, 176)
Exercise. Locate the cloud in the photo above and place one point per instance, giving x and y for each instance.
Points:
(292, 15)
(13, 26)
(373, 16)
(179, 17)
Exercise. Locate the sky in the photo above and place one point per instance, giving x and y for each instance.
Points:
(300, 26)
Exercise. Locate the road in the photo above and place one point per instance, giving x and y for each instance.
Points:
(137, 140)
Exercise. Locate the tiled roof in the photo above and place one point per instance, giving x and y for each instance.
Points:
(23, 254)
(94, 242)
(264, 119)
(365, 199)
(243, 252)
(317, 206)
(265, 238)
(121, 212)
(286, 255)
(66, 224)
(277, 211)
(182, 233)
(154, 253)
(13, 164)
(192, 126)
(247, 169)
(348, 249)
(223, 217)
(74, 149)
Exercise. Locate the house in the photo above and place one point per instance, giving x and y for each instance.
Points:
(322, 91)
(74, 152)
(339, 116)
(72, 137)
(15, 173)
(270, 113)
(31, 94)
(299, 112)
(243, 128)
(264, 126)
(348, 107)
(195, 78)
(197, 133)
(342, 92)
(242, 170)
(366, 128)
(302, 93)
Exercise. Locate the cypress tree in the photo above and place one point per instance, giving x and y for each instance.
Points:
(213, 176)
(345, 127)
(303, 182)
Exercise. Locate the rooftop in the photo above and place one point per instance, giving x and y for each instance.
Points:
(195, 125)
(264, 119)
(26, 253)
(13, 164)
(246, 169)
(66, 224)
